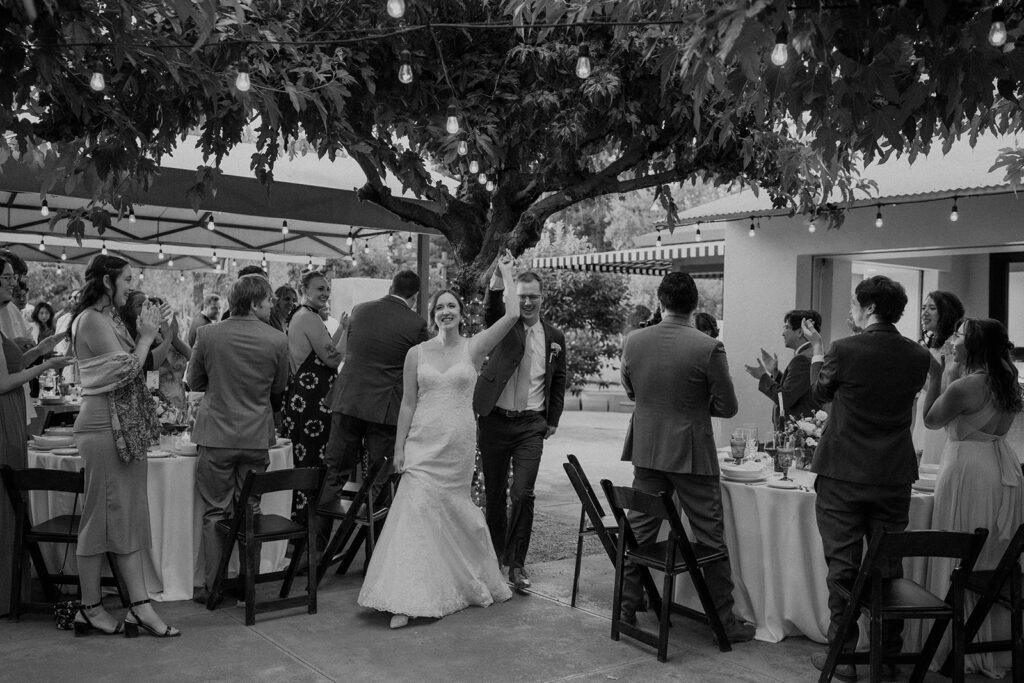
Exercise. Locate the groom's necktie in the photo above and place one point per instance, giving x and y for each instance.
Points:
(523, 373)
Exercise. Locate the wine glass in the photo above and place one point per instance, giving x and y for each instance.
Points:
(785, 459)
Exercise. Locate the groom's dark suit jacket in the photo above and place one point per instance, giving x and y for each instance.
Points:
(380, 333)
(503, 361)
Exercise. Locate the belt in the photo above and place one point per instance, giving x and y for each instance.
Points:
(516, 413)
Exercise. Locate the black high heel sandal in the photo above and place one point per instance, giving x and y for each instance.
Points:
(84, 628)
(131, 628)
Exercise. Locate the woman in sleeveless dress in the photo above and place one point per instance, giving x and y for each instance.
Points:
(13, 432)
(315, 357)
(434, 556)
(980, 484)
(113, 431)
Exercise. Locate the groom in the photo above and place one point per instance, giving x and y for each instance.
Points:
(518, 397)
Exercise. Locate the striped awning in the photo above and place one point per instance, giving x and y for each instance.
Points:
(699, 259)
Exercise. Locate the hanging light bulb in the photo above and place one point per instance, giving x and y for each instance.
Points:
(142, 275)
(103, 250)
(482, 178)
(750, 233)
(997, 32)
(396, 8)
(181, 276)
(391, 239)
(170, 262)
(97, 81)
(583, 62)
(490, 186)
(59, 270)
(812, 226)
(234, 263)
(474, 166)
(878, 218)
(696, 235)
(451, 124)
(214, 257)
(408, 242)
(160, 252)
(657, 242)
(63, 255)
(352, 258)
(42, 244)
(780, 53)
(44, 208)
(954, 214)
(131, 214)
(263, 261)
(242, 81)
(350, 241)
(366, 246)
(217, 267)
(405, 69)
(210, 225)
(309, 264)
(463, 148)
(284, 227)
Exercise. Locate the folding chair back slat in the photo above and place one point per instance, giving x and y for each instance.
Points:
(299, 479)
(585, 482)
(948, 544)
(40, 479)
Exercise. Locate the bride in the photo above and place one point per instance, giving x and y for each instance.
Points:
(434, 556)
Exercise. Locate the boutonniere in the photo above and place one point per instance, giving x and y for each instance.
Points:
(555, 350)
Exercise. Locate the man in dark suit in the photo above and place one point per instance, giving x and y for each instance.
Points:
(368, 391)
(519, 397)
(242, 365)
(679, 378)
(865, 460)
(794, 385)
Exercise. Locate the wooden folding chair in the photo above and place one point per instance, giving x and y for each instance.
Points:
(673, 556)
(999, 586)
(62, 529)
(361, 514)
(250, 530)
(594, 522)
(883, 599)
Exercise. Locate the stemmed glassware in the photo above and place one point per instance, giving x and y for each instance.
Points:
(785, 459)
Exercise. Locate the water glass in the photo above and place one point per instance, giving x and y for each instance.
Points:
(738, 444)
(785, 459)
(751, 439)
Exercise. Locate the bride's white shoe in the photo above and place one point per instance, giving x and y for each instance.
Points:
(399, 620)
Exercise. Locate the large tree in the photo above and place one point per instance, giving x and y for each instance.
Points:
(676, 91)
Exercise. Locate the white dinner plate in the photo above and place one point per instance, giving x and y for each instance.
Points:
(779, 484)
(759, 480)
(926, 488)
(65, 451)
(159, 454)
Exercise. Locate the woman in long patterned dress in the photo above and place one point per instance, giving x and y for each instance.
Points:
(976, 398)
(13, 435)
(113, 431)
(434, 556)
(315, 357)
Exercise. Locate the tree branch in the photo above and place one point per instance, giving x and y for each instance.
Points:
(377, 192)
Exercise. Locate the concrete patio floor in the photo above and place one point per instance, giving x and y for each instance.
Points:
(533, 637)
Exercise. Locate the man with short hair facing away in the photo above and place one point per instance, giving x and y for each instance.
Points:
(242, 365)
(679, 378)
(209, 314)
(793, 385)
(367, 394)
(865, 459)
(519, 397)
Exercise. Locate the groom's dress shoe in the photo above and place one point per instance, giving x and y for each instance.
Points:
(843, 672)
(518, 577)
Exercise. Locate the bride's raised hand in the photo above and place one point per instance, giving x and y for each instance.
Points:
(505, 263)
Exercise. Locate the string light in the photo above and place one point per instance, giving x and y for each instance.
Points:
(997, 32)
(366, 246)
(42, 244)
(214, 257)
(63, 255)
(696, 235)
(309, 265)
(451, 124)
(583, 62)
(44, 208)
(242, 81)
(181, 276)
(103, 250)
(284, 227)
(954, 214)
(474, 166)
(210, 225)
(234, 263)
(408, 243)
(170, 262)
(350, 241)
(142, 275)
(263, 261)
(217, 267)
(396, 8)
(352, 258)
(812, 226)
(878, 217)
(463, 148)
(160, 252)
(657, 242)
(391, 239)
(405, 69)
(750, 233)
(97, 81)
(59, 270)
(131, 214)
(780, 53)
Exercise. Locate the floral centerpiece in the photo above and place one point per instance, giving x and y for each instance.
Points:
(172, 419)
(805, 432)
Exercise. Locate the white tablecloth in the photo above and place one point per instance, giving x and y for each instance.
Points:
(174, 563)
(778, 565)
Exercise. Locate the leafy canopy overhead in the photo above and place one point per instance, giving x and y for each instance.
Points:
(688, 94)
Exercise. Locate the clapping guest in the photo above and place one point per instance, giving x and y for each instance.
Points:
(285, 300)
(13, 436)
(172, 369)
(314, 359)
(940, 313)
(42, 321)
(793, 386)
(113, 432)
(242, 365)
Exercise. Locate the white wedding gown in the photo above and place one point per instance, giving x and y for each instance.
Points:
(434, 556)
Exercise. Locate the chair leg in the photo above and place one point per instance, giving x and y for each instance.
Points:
(49, 588)
(311, 584)
(579, 559)
(663, 625)
(350, 553)
(617, 594)
(931, 645)
(710, 609)
(222, 570)
(875, 638)
(836, 646)
(17, 567)
(251, 564)
(293, 566)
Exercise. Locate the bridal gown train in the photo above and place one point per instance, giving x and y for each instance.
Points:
(434, 556)
(980, 485)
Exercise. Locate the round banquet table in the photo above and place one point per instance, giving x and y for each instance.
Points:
(174, 563)
(778, 564)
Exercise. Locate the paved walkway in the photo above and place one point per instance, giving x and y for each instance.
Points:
(533, 637)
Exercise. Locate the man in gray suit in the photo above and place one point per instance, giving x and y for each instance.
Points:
(242, 365)
(368, 391)
(679, 378)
